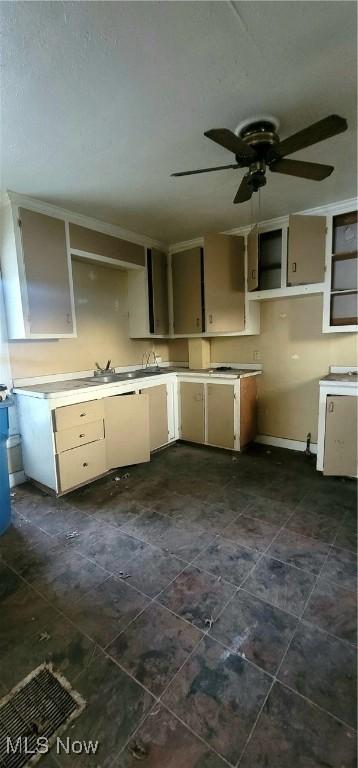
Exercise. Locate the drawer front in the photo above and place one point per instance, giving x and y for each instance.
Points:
(80, 413)
(81, 464)
(75, 436)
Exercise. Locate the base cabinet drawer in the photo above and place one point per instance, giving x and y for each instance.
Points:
(81, 464)
(79, 413)
(76, 436)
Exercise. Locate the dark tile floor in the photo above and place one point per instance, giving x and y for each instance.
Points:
(204, 605)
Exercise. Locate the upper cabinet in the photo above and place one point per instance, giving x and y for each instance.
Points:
(340, 305)
(224, 283)
(188, 298)
(209, 287)
(286, 260)
(36, 271)
(88, 242)
(253, 259)
(158, 291)
(148, 294)
(306, 250)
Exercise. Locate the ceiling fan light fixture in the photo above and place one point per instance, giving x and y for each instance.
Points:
(270, 120)
(256, 144)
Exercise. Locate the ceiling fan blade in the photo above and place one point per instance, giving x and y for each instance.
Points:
(324, 129)
(244, 192)
(233, 143)
(205, 170)
(313, 171)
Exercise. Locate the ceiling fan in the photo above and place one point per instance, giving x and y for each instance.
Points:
(256, 145)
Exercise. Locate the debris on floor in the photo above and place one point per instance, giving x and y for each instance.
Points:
(118, 478)
(44, 636)
(209, 622)
(137, 751)
(124, 575)
(72, 535)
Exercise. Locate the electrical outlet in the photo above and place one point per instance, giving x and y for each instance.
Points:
(256, 355)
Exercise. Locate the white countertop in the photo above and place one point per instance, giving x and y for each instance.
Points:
(343, 379)
(80, 386)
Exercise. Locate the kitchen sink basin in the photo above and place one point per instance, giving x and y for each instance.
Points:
(110, 378)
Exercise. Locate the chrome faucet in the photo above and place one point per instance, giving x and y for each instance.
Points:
(99, 371)
(146, 356)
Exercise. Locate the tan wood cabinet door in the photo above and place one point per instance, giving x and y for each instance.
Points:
(159, 269)
(126, 427)
(158, 416)
(220, 415)
(306, 249)
(192, 412)
(224, 283)
(340, 445)
(187, 291)
(47, 273)
(253, 259)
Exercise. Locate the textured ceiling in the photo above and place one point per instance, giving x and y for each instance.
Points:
(101, 101)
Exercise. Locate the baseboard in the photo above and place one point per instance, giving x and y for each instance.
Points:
(16, 478)
(284, 442)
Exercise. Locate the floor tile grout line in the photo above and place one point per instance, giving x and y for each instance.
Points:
(318, 575)
(260, 558)
(193, 562)
(237, 765)
(298, 617)
(276, 678)
(210, 747)
(151, 602)
(241, 587)
(184, 724)
(96, 647)
(317, 706)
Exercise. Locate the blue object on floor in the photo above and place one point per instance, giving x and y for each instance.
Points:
(5, 504)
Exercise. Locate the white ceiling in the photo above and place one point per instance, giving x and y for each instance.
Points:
(101, 101)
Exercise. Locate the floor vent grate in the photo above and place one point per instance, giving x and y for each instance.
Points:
(34, 714)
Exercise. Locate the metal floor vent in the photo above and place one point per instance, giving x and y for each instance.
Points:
(34, 714)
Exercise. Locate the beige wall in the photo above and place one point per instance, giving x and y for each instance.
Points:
(294, 354)
(102, 327)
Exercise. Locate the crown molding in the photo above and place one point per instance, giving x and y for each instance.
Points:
(15, 198)
(329, 209)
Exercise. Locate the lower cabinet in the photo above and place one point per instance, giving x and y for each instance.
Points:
(340, 445)
(158, 416)
(86, 449)
(79, 465)
(221, 415)
(126, 422)
(192, 423)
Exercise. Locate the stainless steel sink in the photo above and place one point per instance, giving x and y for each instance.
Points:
(110, 378)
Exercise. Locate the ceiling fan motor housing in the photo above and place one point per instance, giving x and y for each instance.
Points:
(260, 134)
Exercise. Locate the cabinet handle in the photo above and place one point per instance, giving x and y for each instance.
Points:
(331, 407)
(294, 266)
(69, 319)
(210, 318)
(83, 435)
(85, 464)
(83, 414)
(253, 274)
(197, 322)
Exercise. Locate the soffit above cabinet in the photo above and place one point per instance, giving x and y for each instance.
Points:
(85, 240)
